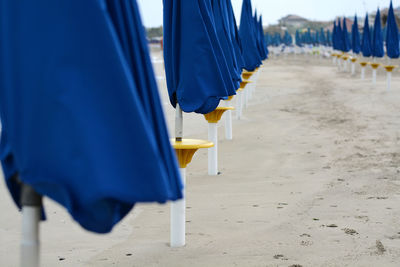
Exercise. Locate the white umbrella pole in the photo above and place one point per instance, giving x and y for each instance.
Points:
(31, 211)
(353, 68)
(345, 65)
(178, 208)
(374, 76)
(178, 217)
(213, 151)
(389, 80)
(362, 73)
(228, 123)
(239, 105)
(246, 97)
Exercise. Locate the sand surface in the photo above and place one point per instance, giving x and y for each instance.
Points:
(312, 178)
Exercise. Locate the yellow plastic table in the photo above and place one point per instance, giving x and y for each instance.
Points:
(389, 68)
(247, 74)
(186, 149)
(374, 65)
(215, 116)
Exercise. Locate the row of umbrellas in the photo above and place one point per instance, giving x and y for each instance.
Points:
(81, 119)
(373, 42)
(205, 52)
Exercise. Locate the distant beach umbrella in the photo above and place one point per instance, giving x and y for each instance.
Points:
(258, 37)
(298, 40)
(262, 39)
(339, 34)
(334, 37)
(346, 46)
(322, 37)
(237, 43)
(221, 23)
(197, 73)
(392, 36)
(355, 36)
(377, 41)
(366, 46)
(251, 54)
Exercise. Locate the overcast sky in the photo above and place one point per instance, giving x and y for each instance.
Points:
(272, 10)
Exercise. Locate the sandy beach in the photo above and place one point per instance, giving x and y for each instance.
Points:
(312, 178)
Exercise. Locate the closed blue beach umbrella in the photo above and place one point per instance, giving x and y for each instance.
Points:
(377, 40)
(366, 46)
(197, 73)
(251, 53)
(81, 116)
(392, 36)
(346, 46)
(355, 36)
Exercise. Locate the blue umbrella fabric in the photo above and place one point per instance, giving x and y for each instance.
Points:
(339, 32)
(377, 39)
(261, 50)
(237, 43)
(346, 46)
(366, 46)
(392, 36)
(225, 40)
(251, 54)
(298, 39)
(334, 37)
(355, 36)
(78, 101)
(197, 73)
(262, 37)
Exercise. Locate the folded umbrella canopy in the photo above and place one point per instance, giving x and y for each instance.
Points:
(251, 55)
(346, 46)
(334, 37)
(366, 48)
(81, 115)
(224, 35)
(392, 36)
(377, 39)
(237, 43)
(355, 37)
(262, 37)
(197, 73)
(261, 50)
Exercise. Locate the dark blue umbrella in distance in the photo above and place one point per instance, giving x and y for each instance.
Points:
(246, 32)
(261, 51)
(196, 70)
(262, 39)
(339, 36)
(366, 46)
(346, 46)
(75, 113)
(225, 41)
(334, 37)
(377, 40)
(322, 37)
(355, 36)
(298, 39)
(237, 43)
(392, 36)
(262, 36)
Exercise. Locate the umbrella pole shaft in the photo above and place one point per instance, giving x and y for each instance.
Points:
(389, 80)
(353, 68)
(178, 217)
(30, 248)
(374, 76)
(31, 214)
(239, 105)
(228, 123)
(213, 151)
(362, 73)
(178, 123)
(246, 97)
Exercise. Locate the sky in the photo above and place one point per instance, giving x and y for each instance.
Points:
(272, 10)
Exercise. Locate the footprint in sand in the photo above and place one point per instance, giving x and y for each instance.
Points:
(280, 257)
